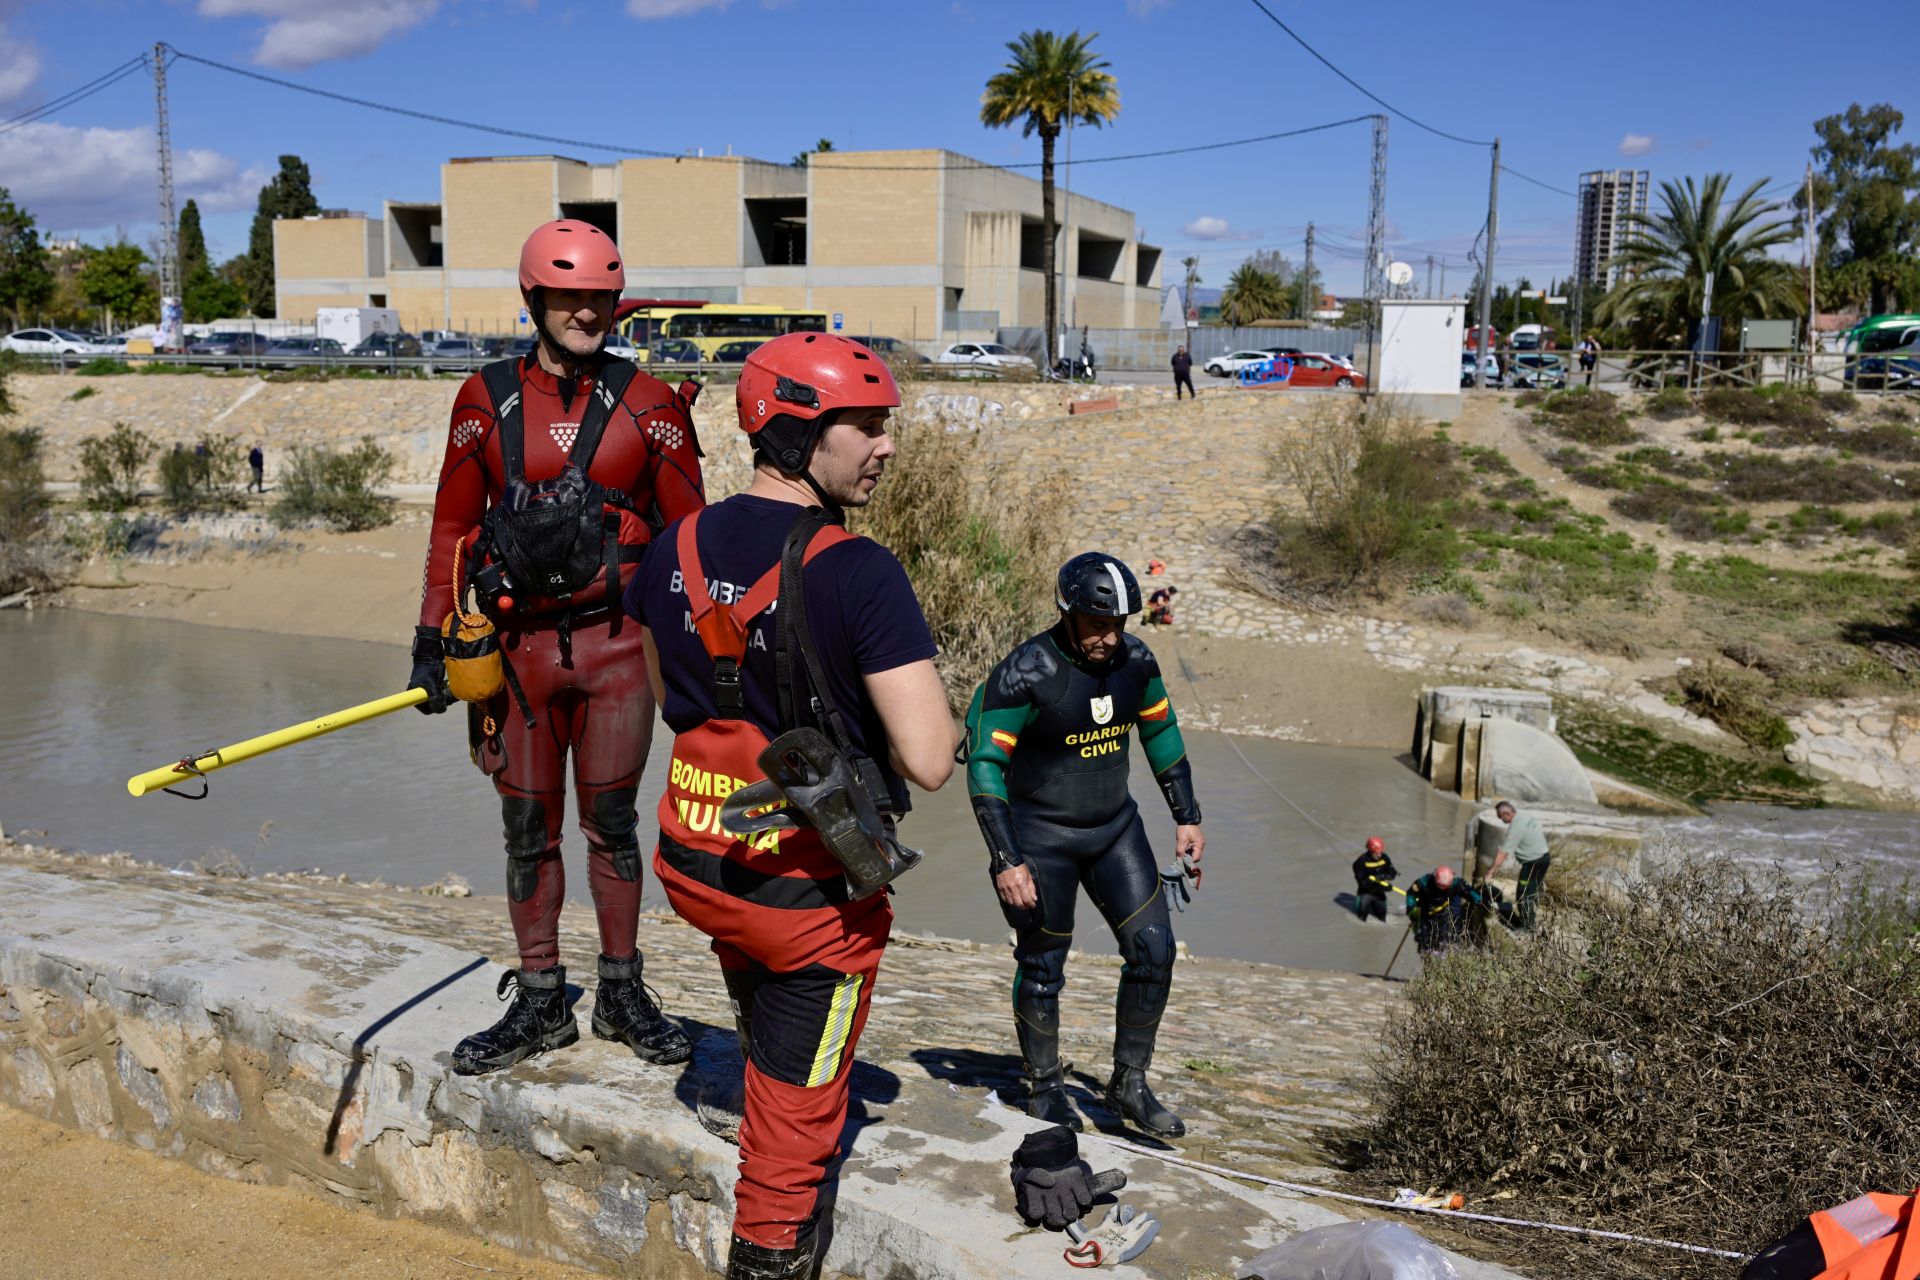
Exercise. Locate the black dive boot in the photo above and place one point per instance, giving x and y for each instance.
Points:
(624, 1012)
(540, 1018)
(749, 1261)
(1127, 1091)
(1047, 1076)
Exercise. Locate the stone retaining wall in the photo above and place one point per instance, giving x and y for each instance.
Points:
(1869, 742)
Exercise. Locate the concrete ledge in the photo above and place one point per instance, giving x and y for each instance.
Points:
(259, 1042)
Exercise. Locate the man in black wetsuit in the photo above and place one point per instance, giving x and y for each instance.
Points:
(1047, 745)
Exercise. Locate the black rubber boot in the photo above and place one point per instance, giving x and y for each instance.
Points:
(1046, 1076)
(749, 1261)
(540, 1018)
(1127, 1091)
(722, 1103)
(624, 1012)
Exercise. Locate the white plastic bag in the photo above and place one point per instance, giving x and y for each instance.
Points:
(1352, 1251)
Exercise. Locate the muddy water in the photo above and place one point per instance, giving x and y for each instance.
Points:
(86, 700)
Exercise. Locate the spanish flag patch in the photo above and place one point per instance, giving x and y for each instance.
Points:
(1005, 741)
(1158, 711)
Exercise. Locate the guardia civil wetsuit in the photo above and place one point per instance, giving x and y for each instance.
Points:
(1048, 742)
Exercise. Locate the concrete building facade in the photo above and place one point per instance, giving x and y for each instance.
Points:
(1602, 227)
(910, 244)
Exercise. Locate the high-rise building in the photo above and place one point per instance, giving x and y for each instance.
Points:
(1607, 196)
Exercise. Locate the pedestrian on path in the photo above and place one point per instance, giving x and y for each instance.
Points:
(1589, 357)
(1183, 373)
(257, 459)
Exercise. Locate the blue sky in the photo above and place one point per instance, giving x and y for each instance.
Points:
(1681, 87)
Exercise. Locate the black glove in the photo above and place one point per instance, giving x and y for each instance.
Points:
(1052, 1186)
(430, 670)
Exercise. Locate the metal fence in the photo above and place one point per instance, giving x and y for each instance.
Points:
(1153, 348)
(1697, 371)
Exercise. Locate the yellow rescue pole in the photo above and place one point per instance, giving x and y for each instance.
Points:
(168, 775)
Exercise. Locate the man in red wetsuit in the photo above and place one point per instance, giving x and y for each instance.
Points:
(797, 949)
(578, 677)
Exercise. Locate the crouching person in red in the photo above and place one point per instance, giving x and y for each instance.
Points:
(845, 662)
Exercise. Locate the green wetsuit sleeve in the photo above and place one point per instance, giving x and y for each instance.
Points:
(991, 738)
(1167, 751)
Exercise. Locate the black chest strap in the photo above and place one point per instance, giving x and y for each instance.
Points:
(504, 388)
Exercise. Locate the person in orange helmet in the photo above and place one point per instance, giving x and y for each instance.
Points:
(1373, 877)
(559, 467)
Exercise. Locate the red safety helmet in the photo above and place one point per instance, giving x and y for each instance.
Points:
(571, 254)
(790, 385)
(1376, 845)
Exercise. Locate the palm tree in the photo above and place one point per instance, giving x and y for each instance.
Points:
(1701, 237)
(1251, 294)
(1050, 78)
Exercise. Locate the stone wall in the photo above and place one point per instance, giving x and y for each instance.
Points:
(1868, 742)
(409, 416)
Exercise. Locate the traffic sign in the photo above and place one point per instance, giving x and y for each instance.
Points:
(523, 315)
(839, 321)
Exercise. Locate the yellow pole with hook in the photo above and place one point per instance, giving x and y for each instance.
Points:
(168, 775)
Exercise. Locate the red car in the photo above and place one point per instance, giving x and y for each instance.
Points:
(1314, 370)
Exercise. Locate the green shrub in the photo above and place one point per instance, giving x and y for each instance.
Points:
(1774, 406)
(1736, 701)
(981, 556)
(28, 557)
(1379, 501)
(203, 479)
(83, 393)
(1586, 416)
(1668, 403)
(103, 367)
(1633, 1064)
(337, 488)
(110, 467)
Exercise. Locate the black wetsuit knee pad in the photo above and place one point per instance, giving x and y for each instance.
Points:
(525, 821)
(617, 821)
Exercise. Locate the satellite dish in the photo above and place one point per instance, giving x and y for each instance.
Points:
(1399, 273)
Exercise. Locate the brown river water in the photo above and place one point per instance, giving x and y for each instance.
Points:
(89, 700)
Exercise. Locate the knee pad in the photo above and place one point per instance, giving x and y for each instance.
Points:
(616, 820)
(1148, 971)
(525, 821)
(1037, 982)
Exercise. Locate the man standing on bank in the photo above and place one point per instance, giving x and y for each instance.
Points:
(1528, 846)
(1047, 746)
(558, 468)
(848, 651)
(1183, 374)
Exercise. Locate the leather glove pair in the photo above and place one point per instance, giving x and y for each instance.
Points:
(1052, 1186)
(430, 670)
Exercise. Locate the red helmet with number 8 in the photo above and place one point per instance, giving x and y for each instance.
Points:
(790, 386)
(570, 254)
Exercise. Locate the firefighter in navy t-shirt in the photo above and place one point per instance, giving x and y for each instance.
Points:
(798, 951)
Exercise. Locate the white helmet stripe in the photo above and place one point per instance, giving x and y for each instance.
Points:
(1119, 587)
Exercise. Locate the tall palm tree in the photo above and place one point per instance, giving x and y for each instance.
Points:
(1701, 235)
(1252, 294)
(1049, 78)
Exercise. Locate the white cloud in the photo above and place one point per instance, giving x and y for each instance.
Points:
(1207, 228)
(301, 33)
(85, 179)
(19, 66)
(1141, 8)
(649, 10)
(1636, 144)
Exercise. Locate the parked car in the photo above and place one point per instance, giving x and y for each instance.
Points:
(617, 344)
(736, 352)
(290, 353)
(983, 355)
(386, 345)
(891, 349)
(673, 351)
(1545, 371)
(239, 342)
(1231, 363)
(1894, 370)
(450, 354)
(1317, 369)
(522, 347)
(1494, 378)
(50, 342)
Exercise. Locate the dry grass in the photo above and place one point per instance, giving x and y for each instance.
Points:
(1708, 1058)
(982, 558)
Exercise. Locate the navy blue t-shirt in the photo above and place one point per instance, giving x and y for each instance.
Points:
(861, 611)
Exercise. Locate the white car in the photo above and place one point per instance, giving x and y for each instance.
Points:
(50, 342)
(1234, 361)
(1345, 362)
(989, 355)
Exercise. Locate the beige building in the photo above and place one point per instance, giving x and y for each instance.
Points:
(911, 244)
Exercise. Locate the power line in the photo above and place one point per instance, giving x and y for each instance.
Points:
(1418, 124)
(588, 145)
(1559, 191)
(73, 96)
